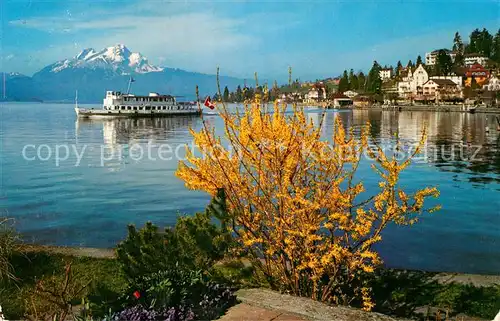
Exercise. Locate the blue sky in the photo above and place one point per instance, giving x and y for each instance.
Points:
(317, 38)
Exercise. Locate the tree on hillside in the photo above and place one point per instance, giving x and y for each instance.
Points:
(486, 43)
(480, 42)
(374, 82)
(344, 82)
(399, 67)
(458, 45)
(458, 49)
(225, 95)
(353, 81)
(361, 81)
(238, 96)
(419, 61)
(444, 64)
(495, 50)
(474, 38)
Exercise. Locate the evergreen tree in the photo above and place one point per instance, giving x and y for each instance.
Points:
(475, 39)
(354, 82)
(486, 43)
(238, 97)
(495, 50)
(419, 61)
(444, 63)
(473, 83)
(249, 93)
(410, 64)
(361, 81)
(344, 82)
(458, 45)
(351, 75)
(399, 67)
(225, 95)
(373, 81)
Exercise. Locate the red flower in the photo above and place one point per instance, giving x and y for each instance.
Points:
(137, 294)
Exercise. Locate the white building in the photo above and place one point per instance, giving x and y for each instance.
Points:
(456, 79)
(412, 82)
(350, 93)
(316, 93)
(473, 58)
(493, 84)
(385, 74)
(431, 57)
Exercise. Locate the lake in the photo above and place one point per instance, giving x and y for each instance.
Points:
(98, 184)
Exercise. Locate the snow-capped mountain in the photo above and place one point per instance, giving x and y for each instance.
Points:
(117, 58)
(93, 72)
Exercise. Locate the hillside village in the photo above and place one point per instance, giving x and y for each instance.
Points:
(468, 73)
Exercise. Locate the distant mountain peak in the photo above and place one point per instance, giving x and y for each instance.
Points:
(117, 58)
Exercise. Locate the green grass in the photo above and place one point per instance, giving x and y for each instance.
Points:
(397, 293)
(107, 279)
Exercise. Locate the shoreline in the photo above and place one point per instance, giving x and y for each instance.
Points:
(478, 280)
(442, 108)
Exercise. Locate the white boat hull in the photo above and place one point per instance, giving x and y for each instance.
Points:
(102, 113)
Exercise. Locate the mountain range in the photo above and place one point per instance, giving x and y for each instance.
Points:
(93, 72)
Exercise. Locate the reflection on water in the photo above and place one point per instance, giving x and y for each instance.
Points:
(91, 203)
(456, 142)
(118, 131)
(121, 134)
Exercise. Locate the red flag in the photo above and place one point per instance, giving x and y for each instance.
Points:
(208, 103)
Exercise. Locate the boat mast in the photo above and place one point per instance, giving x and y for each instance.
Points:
(76, 99)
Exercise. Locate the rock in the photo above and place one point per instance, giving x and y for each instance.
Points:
(306, 308)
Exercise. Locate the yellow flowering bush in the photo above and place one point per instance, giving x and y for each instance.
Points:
(294, 202)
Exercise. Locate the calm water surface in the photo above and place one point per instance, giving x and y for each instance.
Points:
(90, 204)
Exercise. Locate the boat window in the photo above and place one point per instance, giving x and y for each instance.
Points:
(129, 107)
(164, 107)
(135, 108)
(117, 107)
(178, 107)
(140, 108)
(123, 107)
(148, 107)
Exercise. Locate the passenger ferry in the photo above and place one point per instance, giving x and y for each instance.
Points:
(117, 104)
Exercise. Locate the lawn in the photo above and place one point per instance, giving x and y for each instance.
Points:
(103, 276)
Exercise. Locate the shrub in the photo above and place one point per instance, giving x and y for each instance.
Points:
(194, 243)
(183, 291)
(9, 244)
(295, 202)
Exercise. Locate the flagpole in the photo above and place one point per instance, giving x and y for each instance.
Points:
(129, 83)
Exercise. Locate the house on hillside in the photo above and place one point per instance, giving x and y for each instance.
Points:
(431, 57)
(441, 89)
(456, 79)
(475, 58)
(350, 93)
(412, 82)
(316, 93)
(478, 73)
(492, 84)
(385, 73)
